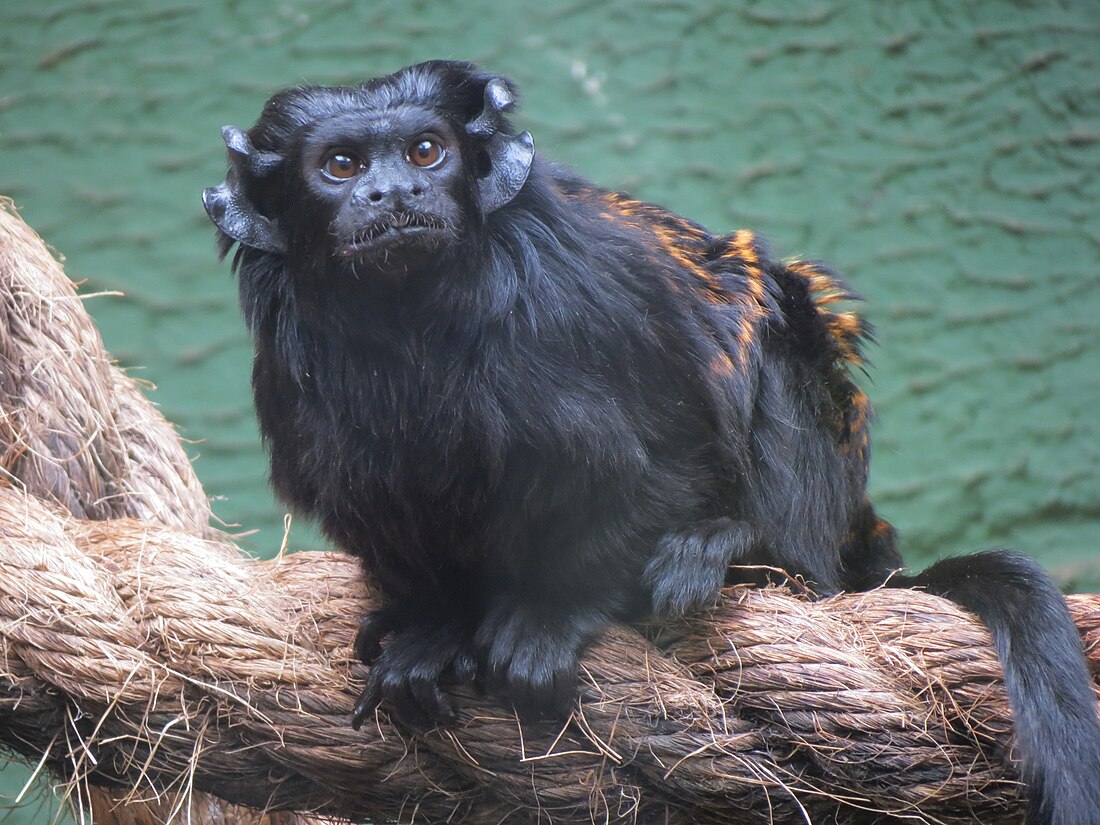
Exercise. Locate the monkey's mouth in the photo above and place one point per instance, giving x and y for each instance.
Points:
(398, 228)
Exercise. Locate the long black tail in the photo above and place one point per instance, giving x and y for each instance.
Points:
(1048, 681)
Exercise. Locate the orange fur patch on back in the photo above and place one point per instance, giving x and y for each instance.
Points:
(847, 329)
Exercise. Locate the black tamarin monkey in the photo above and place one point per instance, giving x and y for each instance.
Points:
(533, 407)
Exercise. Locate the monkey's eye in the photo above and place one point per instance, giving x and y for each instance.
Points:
(341, 165)
(426, 152)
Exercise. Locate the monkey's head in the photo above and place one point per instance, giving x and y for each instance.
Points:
(381, 177)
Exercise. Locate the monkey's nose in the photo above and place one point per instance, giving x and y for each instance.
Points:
(392, 197)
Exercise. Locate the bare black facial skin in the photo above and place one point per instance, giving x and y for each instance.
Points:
(387, 184)
(534, 407)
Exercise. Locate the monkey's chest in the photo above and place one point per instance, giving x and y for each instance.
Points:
(452, 475)
(381, 464)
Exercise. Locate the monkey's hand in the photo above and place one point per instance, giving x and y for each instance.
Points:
(528, 653)
(426, 650)
(689, 567)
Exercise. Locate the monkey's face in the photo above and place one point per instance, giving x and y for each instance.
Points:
(382, 190)
(387, 177)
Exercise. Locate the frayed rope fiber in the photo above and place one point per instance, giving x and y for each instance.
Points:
(143, 652)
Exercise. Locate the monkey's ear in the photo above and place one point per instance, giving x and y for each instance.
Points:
(510, 156)
(227, 204)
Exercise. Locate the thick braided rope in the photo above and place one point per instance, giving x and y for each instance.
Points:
(76, 432)
(149, 655)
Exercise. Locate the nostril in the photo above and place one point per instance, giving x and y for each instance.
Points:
(416, 190)
(375, 196)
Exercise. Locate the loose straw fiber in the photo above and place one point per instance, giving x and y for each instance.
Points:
(140, 651)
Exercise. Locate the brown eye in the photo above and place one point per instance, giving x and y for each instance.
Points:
(341, 166)
(426, 152)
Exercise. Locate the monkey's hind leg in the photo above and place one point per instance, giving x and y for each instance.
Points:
(688, 569)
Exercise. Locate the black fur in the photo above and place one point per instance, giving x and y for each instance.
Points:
(566, 408)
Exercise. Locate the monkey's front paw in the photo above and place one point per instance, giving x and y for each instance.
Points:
(408, 674)
(529, 655)
(376, 626)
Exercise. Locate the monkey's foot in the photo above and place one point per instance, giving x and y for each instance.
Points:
(408, 674)
(529, 654)
(689, 568)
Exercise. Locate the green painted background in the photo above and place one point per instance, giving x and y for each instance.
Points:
(944, 155)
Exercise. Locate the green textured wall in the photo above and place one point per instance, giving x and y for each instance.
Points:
(945, 156)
